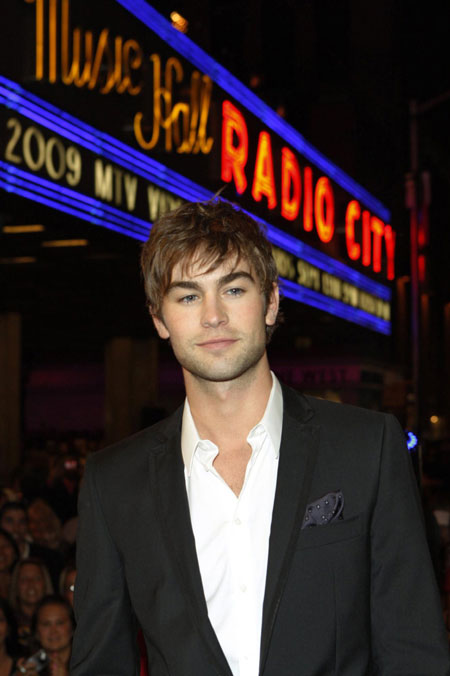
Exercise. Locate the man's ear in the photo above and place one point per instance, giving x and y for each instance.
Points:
(272, 308)
(160, 327)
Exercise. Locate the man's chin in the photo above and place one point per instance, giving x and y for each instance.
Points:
(223, 373)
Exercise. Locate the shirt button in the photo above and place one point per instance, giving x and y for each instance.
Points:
(243, 587)
(237, 522)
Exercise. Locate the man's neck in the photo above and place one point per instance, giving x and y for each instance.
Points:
(225, 412)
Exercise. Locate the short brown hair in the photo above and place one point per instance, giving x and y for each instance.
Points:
(214, 230)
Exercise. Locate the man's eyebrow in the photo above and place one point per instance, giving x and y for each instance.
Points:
(191, 285)
(232, 276)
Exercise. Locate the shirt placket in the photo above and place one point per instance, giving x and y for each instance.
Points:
(241, 557)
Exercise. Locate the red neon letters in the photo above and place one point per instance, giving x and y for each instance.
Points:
(374, 231)
(291, 185)
(308, 200)
(263, 180)
(353, 213)
(365, 234)
(389, 238)
(324, 209)
(234, 157)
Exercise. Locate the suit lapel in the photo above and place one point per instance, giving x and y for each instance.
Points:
(168, 486)
(299, 444)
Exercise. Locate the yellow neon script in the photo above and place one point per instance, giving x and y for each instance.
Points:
(184, 123)
(111, 64)
(104, 63)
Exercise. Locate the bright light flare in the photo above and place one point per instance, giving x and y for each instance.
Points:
(179, 22)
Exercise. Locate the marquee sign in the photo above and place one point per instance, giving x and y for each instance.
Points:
(116, 124)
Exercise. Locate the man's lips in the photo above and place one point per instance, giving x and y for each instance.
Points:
(217, 343)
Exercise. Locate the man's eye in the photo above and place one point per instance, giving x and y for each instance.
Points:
(188, 299)
(235, 291)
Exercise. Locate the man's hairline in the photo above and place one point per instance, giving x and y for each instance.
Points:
(185, 261)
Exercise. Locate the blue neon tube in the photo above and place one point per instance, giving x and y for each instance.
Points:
(334, 307)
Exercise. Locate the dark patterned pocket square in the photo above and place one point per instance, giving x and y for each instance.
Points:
(324, 510)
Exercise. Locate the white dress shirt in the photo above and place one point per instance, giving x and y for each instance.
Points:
(232, 533)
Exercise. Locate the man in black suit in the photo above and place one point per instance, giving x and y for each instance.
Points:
(256, 530)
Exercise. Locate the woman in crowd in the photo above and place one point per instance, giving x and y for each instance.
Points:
(30, 583)
(9, 554)
(53, 626)
(8, 640)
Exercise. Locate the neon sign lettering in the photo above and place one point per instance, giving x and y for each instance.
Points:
(105, 63)
(324, 209)
(263, 180)
(374, 233)
(291, 185)
(318, 199)
(112, 64)
(184, 123)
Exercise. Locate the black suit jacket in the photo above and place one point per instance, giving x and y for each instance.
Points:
(355, 597)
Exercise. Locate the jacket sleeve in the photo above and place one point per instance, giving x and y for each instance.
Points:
(408, 635)
(105, 641)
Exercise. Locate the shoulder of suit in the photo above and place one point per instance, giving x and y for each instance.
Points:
(317, 410)
(345, 428)
(147, 440)
(334, 408)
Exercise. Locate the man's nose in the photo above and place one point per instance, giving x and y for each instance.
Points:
(213, 312)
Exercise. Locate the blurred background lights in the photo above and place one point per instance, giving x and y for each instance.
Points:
(411, 440)
(61, 243)
(18, 260)
(20, 229)
(179, 22)
(434, 419)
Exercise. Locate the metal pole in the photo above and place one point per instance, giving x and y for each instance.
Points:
(415, 307)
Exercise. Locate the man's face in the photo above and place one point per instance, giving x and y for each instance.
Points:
(14, 521)
(216, 320)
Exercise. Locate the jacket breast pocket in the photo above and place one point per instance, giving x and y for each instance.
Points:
(338, 531)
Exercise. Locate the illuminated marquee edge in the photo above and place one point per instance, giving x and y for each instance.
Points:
(96, 212)
(199, 58)
(70, 127)
(335, 307)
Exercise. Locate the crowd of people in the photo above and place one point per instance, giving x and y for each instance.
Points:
(38, 524)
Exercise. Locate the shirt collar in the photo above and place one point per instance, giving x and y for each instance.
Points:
(271, 421)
